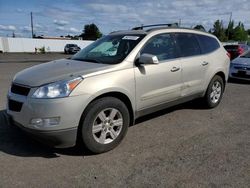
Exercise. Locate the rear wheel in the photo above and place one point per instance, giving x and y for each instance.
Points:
(214, 92)
(105, 124)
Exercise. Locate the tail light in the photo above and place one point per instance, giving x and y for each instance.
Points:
(229, 55)
(240, 50)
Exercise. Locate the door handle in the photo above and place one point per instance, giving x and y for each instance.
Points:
(174, 69)
(205, 63)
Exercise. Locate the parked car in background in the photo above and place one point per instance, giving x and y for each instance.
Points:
(236, 49)
(71, 49)
(240, 67)
(95, 95)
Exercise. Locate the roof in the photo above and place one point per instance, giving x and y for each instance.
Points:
(139, 30)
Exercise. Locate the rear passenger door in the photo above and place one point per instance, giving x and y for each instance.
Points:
(193, 63)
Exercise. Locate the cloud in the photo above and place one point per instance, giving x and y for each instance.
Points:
(74, 30)
(109, 7)
(7, 27)
(25, 29)
(65, 16)
(38, 26)
(61, 22)
(68, 30)
(19, 10)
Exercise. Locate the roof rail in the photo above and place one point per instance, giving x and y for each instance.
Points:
(155, 25)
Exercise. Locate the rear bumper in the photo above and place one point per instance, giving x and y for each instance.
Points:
(57, 138)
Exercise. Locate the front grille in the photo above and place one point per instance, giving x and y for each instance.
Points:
(14, 105)
(20, 90)
(241, 75)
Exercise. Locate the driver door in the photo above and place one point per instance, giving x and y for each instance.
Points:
(158, 83)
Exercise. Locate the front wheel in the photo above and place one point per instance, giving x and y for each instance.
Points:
(105, 123)
(214, 92)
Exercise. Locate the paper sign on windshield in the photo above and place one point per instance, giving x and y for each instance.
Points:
(130, 37)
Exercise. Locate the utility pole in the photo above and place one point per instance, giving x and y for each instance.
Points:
(31, 19)
(179, 24)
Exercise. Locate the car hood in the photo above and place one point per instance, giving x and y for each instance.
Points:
(55, 71)
(242, 61)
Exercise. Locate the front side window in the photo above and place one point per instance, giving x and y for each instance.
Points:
(162, 46)
(111, 49)
(188, 44)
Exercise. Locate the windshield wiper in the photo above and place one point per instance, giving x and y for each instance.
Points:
(90, 60)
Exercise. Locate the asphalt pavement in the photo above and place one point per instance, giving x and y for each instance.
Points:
(184, 146)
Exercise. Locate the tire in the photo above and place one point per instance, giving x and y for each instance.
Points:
(102, 130)
(214, 92)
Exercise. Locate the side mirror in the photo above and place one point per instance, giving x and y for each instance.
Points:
(148, 59)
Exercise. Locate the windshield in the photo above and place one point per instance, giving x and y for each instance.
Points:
(111, 49)
(246, 55)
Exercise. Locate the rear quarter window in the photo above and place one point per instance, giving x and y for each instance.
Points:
(188, 44)
(208, 44)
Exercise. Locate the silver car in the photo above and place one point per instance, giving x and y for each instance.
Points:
(101, 90)
(240, 67)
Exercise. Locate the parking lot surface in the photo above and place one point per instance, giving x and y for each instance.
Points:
(184, 146)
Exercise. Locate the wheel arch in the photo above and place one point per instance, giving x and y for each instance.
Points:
(119, 95)
(124, 98)
(217, 73)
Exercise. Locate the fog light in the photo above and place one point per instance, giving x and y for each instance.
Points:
(45, 122)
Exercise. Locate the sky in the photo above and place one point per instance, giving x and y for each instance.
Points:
(62, 17)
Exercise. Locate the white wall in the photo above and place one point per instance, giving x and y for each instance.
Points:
(29, 45)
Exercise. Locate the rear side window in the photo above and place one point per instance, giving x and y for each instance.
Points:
(188, 44)
(208, 44)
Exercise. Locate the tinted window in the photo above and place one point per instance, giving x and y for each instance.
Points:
(208, 44)
(162, 46)
(188, 44)
(231, 47)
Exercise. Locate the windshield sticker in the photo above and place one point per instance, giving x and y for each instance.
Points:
(130, 37)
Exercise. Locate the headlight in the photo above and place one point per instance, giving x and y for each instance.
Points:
(57, 89)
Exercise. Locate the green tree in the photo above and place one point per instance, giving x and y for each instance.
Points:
(239, 33)
(91, 32)
(230, 30)
(248, 31)
(219, 31)
(200, 27)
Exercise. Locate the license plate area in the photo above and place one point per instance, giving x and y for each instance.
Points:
(242, 73)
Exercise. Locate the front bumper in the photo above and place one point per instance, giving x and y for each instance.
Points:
(68, 109)
(57, 139)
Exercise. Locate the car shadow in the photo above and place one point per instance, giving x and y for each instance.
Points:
(14, 141)
(196, 104)
(238, 81)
